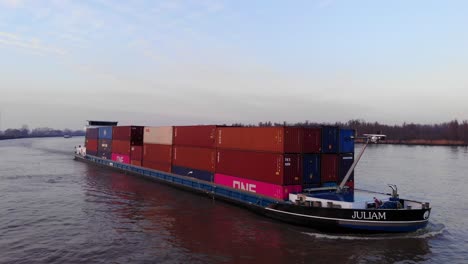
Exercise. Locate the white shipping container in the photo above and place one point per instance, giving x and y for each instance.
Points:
(158, 135)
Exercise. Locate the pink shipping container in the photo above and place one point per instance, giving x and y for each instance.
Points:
(121, 158)
(264, 188)
(158, 135)
(270, 139)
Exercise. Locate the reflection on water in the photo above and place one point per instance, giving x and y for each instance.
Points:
(63, 211)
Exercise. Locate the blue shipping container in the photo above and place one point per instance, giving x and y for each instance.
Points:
(197, 174)
(346, 160)
(346, 142)
(330, 139)
(105, 133)
(311, 169)
(329, 184)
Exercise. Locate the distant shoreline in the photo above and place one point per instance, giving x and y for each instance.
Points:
(423, 142)
(10, 138)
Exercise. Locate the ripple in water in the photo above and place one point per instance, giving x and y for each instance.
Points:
(432, 230)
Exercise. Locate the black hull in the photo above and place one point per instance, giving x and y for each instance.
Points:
(351, 220)
(327, 219)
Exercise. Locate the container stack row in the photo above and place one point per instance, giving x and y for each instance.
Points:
(127, 144)
(104, 148)
(157, 148)
(194, 152)
(272, 161)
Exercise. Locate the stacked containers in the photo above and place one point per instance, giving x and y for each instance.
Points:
(104, 142)
(337, 155)
(260, 159)
(157, 148)
(311, 157)
(91, 141)
(194, 151)
(125, 139)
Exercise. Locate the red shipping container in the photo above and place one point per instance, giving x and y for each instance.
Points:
(121, 147)
(350, 185)
(195, 136)
(157, 153)
(134, 134)
(280, 169)
(329, 167)
(136, 153)
(92, 133)
(312, 140)
(270, 139)
(194, 158)
(160, 166)
(91, 144)
(136, 162)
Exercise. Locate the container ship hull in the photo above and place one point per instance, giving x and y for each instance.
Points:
(301, 213)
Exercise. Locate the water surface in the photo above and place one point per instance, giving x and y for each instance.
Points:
(57, 210)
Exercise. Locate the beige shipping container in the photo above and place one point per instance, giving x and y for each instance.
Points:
(158, 135)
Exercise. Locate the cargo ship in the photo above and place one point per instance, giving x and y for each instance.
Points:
(302, 176)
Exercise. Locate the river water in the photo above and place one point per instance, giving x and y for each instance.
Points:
(57, 210)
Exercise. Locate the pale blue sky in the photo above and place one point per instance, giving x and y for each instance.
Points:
(209, 61)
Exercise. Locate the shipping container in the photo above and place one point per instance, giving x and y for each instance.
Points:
(195, 136)
(330, 139)
(134, 134)
(158, 135)
(91, 144)
(197, 174)
(121, 147)
(160, 166)
(196, 158)
(136, 162)
(335, 166)
(121, 158)
(329, 167)
(329, 184)
(157, 153)
(105, 145)
(269, 139)
(105, 133)
(264, 188)
(104, 154)
(346, 160)
(136, 153)
(312, 140)
(346, 144)
(311, 169)
(280, 169)
(91, 152)
(92, 133)
(307, 186)
(350, 185)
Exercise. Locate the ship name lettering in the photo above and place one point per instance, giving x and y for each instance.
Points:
(369, 215)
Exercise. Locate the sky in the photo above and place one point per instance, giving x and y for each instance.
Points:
(221, 62)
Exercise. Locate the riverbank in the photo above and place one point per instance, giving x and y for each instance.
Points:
(422, 142)
(8, 138)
